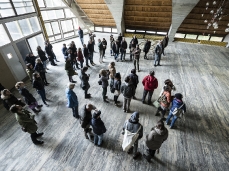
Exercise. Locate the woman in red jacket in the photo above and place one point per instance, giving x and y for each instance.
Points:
(80, 57)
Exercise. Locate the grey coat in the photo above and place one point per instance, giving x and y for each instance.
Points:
(84, 81)
(104, 81)
(127, 89)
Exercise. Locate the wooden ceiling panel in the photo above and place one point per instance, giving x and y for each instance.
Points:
(97, 11)
(148, 14)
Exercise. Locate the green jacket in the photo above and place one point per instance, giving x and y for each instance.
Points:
(69, 68)
(26, 120)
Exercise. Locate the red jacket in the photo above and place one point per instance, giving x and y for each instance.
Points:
(80, 56)
(150, 83)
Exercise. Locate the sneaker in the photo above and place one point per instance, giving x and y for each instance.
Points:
(158, 65)
(40, 134)
(124, 110)
(39, 106)
(155, 65)
(39, 142)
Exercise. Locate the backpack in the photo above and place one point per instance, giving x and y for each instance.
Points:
(178, 111)
(163, 99)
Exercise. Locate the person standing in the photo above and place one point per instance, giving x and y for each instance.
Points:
(177, 104)
(127, 89)
(100, 47)
(39, 86)
(123, 48)
(72, 100)
(69, 69)
(28, 97)
(42, 56)
(86, 55)
(134, 80)
(98, 128)
(165, 43)
(30, 71)
(40, 69)
(164, 101)
(154, 140)
(150, 83)
(27, 122)
(111, 44)
(112, 71)
(117, 87)
(115, 49)
(133, 126)
(30, 58)
(90, 47)
(136, 52)
(49, 52)
(104, 82)
(10, 99)
(80, 32)
(4, 103)
(80, 57)
(146, 48)
(132, 46)
(85, 82)
(120, 38)
(65, 51)
(85, 120)
(104, 42)
(158, 52)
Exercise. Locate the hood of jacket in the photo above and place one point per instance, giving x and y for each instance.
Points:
(151, 78)
(134, 118)
(160, 131)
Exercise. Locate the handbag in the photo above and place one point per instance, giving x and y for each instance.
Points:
(178, 111)
(156, 104)
(129, 139)
(100, 82)
(162, 99)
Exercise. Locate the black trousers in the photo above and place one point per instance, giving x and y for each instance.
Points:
(43, 77)
(34, 137)
(104, 93)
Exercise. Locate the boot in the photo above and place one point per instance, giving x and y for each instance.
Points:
(157, 113)
(38, 142)
(35, 110)
(39, 134)
(39, 106)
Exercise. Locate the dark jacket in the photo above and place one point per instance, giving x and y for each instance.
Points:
(86, 52)
(42, 56)
(104, 42)
(115, 48)
(176, 103)
(80, 32)
(49, 52)
(69, 69)
(127, 90)
(98, 126)
(104, 81)
(158, 49)
(65, 51)
(123, 45)
(85, 117)
(155, 138)
(72, 98)
(100, 45)
(39, 67)
(90, 48)
(119, 38)
(147, 46)
(30, 59)
(134, 44)
(133, 125)
(11, 100)
(134, 79)
(136, 52)
(28, 97)
(1, 87)
(150, 83)
(117, 85)
(84, 81)
(38, 84)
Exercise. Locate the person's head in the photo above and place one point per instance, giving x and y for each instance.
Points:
(36, 75)
(84, 69)
(168, 82)
(151, 73)
(127, 79)
(29, 66)
(19, 85)
(117, 76)
(79, 50)
(71, 45)
(103, 39)
(71, 86)
(179, 96)
(15, 108)
(79, 28)
(134, 36)
(72, 42)
(31, 54)
(84, 46)
(38, 60)
(5, 92)
(64, 45)
(160, 125)
(120, 34)
(112, 64)
(134, 117)
(103, 72)
(96, 114)
(90, 107)
(133, 71)
(99, 40)
(46, 42)
(38, 48)
(111, 36)
(167, 88)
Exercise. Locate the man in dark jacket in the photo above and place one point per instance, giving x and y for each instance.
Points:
(154, 140)
(86, 55)
(90, 47)
(115, 49)
(30, 58)
(85, 120)
(134, 80)
(127, 89)
(104, 82)
(146, 48)
(98, 128)
(48, 50)
(85, 82)
(136, 52)
(51, 50)
(158, 52)
(123, 48)
(120, 38)
(80, 32)
(10, 99)
(150, 83)
(134, 126)
(4, 103)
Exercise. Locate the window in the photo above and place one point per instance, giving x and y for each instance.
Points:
(217, 39)
(151, 32)
(69, 34)
(67, 25)
(35, 24)
(190, 36)
(55, 27)
(58, 37)
(200, 37)
(23, 6)
(98, 29)
(130, 31)
(48, 29)
(41, 3)
(6, 9)
(107, 30)
(163, 33)
(54, 3)
(52, 14)
(25, 27)
(14, 30)
(68, 13)
(179, 35)
(75, 23)
(114, 30)
(3, 36)
(140, 31)
(36, 41)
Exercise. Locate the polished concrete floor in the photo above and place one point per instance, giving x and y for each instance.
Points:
(201, 142)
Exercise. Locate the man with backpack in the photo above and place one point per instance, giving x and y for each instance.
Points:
(150, 83)
(177, 110)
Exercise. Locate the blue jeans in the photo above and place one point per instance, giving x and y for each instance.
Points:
(123, 53)
(91, 57)
(173, 120)
(42, 94)
(75, 112)
(115, 56)
(157, 59)
(44, 64)
(98, 139)
(81, 39)
(111, 52)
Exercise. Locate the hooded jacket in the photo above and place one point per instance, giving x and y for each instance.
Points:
(176, 103)
(150, 83)
(42, 56)
(72, 98)
(134, 79)
(98, 126)
(85, 117)
(133, 125)
(155, 138)
(28, 97)
(127, 89)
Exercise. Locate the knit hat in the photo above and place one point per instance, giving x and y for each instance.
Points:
(134, 117)
(178, 96)
(96, 114)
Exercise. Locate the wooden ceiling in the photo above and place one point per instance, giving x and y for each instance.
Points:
(151, 15)
(194, 22)
(97, 11)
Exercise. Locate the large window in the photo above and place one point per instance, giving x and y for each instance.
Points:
(35, 41)
(3, 36)
(6, 9)
(23, 6)
(52, 14)
(21, 28)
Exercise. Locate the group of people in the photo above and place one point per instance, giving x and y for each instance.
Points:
(89, 116)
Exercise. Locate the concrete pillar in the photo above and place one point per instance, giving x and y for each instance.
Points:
(116, 8)
(180, 10)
